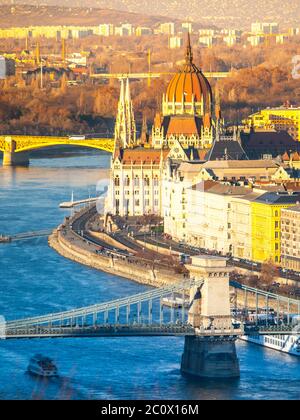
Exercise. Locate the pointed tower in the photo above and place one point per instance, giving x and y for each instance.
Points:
(120, 127)
(131, 127)
(144, 131)
(125, 129)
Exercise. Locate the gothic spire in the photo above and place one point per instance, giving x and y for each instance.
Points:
(125, 129)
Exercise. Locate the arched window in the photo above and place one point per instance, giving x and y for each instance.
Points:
(156, 182)
(127, 181)
(117, 181)
(136, 181)
(117, 206)
(147, 181)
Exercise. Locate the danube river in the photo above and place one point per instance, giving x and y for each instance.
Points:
(36, 280)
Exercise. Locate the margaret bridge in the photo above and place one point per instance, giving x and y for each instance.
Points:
(16, 148)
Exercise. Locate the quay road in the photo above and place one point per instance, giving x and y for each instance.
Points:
(183, 248)
(78, 228)
(78, 233)
(79, 224)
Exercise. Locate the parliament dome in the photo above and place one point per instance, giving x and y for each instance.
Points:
(190, 86)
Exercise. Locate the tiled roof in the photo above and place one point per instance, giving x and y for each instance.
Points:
(231, 149)
(243, 164)
(140, 155)
(214, 187)
(275, 143)
(279, 198)
(186, 126)
(294, 208)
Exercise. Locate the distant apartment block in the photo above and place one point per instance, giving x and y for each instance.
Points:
(207, 32)
(106, 29)
(256, 40)
(187, 27)
(58, 32)
(208, 41)
(126, 29)
(290, 238)
(7, 67)
(175, 42)
(233, 32)
(265, 28)
(167, 28)
(231, 40)
(281, 39)
(143, 30)
(294, 31)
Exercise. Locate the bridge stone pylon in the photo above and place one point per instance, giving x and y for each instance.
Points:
(211, 351)
(11, 157)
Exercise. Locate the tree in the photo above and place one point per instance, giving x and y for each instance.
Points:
(269, 272)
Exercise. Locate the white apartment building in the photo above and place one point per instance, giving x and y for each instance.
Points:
(231, 40)
(209, 220)
(126, 29)
(175, 42)
(256, 40)
(106, 29)
(290, 238)
(207, 32)
(265, 28)
(167, 28)
(175, 183)
(208, 40)
(240, 224)
(187, 27)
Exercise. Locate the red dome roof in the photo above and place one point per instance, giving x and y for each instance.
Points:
(190, 82)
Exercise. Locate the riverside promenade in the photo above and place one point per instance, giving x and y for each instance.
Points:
(105, 256)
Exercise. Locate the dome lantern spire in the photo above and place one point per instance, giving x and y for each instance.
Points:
(189, 53)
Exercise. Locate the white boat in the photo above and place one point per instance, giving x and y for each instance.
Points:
(285, 343)
(42, 366)
(176, 301)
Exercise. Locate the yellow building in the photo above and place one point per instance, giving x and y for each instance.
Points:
(280, 119)
(266, 216)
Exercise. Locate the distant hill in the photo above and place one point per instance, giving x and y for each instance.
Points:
(26, 15)
(223, 13)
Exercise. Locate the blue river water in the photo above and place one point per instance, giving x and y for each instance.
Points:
(36, 280)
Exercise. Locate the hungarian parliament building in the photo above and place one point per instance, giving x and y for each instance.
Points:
(189, 130)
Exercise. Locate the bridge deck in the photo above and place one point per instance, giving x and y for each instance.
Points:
(101, 331)
(27, 143)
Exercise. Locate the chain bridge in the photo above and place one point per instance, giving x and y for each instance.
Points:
(208, 310)
(161, 311)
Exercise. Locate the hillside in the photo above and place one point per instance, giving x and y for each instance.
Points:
(224, 13)
(27, 15)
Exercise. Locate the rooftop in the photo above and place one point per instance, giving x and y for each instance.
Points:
(279, 198)
(294, 209)
(214, 187)
(231, 164)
